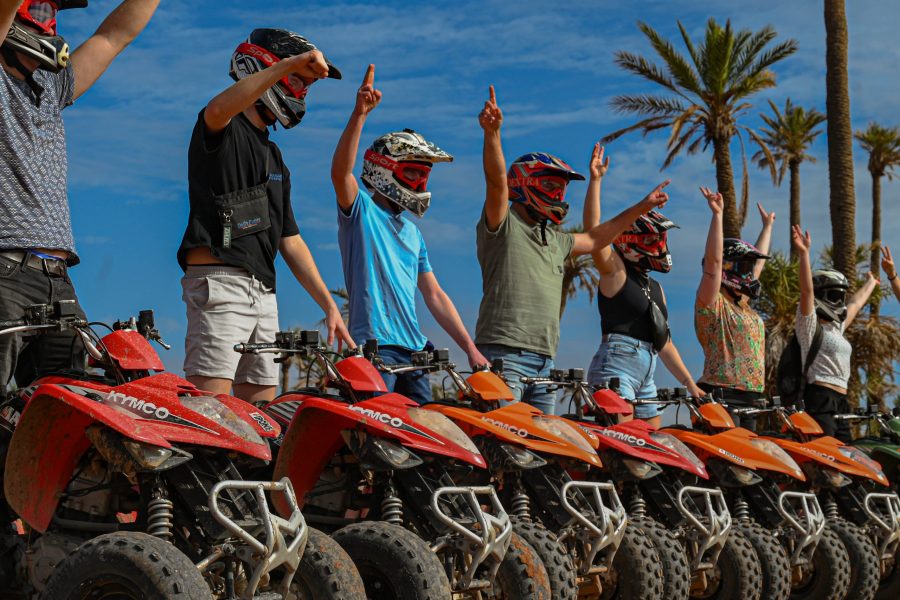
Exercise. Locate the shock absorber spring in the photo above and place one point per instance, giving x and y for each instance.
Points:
(741, 510)
(638, 506)
(831, 509)
(521, 504)
(392, 507)
(159, 518)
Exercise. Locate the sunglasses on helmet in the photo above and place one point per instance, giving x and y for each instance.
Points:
(414, 175)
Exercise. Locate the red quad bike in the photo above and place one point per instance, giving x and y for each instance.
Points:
(125, 483)
(854, 493)
(665, 487)
(381, 473)
(785, 526)
(530, 456)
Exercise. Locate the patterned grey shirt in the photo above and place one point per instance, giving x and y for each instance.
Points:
(34, 205)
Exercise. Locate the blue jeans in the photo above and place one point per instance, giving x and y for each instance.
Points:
(523, 363)
(634, 363)
(414, 385)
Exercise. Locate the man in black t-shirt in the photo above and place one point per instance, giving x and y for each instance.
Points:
(241, 216)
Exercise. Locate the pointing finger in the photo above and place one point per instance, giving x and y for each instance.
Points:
(493, 95)
(662, 185)
(369, 79)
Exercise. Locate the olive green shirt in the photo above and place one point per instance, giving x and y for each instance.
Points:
(521, 283)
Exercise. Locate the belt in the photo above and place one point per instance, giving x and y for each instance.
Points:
(50, 266)
(621, 337)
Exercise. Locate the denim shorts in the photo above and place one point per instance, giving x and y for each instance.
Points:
(524, 363)
(634, 363)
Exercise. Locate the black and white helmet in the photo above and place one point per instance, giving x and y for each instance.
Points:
(397, 165)
(265, 47)
(830, 288)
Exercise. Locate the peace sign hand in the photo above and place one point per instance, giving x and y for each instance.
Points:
(598, 166)
(768, 218)
(714, 199)
(367, 98)
(491, 117)
(801, 241)
(887, 263)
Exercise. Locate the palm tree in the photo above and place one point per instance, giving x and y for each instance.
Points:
(788, 136)
(579, 273)
(842, 202)
(705, 98)
(883, 146)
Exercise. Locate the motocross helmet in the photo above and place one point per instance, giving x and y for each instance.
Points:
(538, 180)
(398, 164)
(265, 47)
(830, 289)
(645, 245)
(33, 33)
(738, 260)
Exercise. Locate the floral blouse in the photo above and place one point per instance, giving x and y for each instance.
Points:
(733, 338)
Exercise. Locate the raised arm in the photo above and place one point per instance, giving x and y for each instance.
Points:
(444, 312)
(8, 10)
(802, 243)
(764, 241)
(859, 299)
(345, 184)
(890, 271)
(604, 257)
(712, 257)
(604, 233)
(119, 29)
(496, 201)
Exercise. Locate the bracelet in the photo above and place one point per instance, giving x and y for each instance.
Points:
(892, 277)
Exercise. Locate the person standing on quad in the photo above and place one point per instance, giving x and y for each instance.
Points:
(890, 271)
(384, 255)
(633, 312)
(241, 217)
(732, 334)
(522, 254)
(38, 79)
(824, 307)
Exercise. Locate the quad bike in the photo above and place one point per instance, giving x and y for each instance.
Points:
(663, 484)
(382, 473)
(798, 555)
(882, 440)
(530, 456)
(126, 483)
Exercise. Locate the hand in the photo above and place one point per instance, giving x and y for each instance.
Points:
(714, 199)
(694, 390)
(871, 278)
(887, 263)
(334, 323)
(768, 219)
(491, 117)
(598, 166)
(310, 65)
(477, 359)
(367, 97)
(657, 198)
(802, 242)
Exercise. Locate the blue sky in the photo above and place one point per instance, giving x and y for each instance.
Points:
(552, 65)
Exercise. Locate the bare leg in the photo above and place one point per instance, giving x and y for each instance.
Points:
(215, 385)
(253, 393)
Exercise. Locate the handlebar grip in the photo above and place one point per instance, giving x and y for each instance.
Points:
(12, 323)
(244, 348)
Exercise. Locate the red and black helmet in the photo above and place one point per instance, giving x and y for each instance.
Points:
(265, 47)
(738, 261)
(538, 180)
(645, 244)
(33, 32)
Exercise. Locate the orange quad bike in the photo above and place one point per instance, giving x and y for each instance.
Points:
(760, 481)
(854, 492)
(541, 466)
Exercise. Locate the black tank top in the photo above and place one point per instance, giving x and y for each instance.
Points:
(628, 312)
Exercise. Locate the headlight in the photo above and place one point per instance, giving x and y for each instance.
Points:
(775, 451)
(677, 446)
(155, 457)
(833, 477)
(862, 458)
(744, 476)
(563, 430)
(442, 424)
(519, 457)
(641, 469)
(212, 409)
(377, 453)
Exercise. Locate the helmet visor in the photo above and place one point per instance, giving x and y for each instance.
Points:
(413, 175)
(834, 296)
(553, 187)
(742, 268)
(40, 15)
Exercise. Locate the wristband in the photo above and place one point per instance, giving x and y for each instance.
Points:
(892, 278)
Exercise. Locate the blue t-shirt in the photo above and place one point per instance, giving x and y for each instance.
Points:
(383, 255)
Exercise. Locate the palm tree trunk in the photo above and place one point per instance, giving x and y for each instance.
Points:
(794, 166)
(876, 232)
(840, 140)
(731, 222)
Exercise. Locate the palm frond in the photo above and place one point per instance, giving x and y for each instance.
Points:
(645, 104)
(687, 137)
(641, 66)
(765, 150)
(678, 67)
(652, 122)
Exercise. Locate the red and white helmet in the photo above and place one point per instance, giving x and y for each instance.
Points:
(33, 32)
(646, 245)
(539, 180)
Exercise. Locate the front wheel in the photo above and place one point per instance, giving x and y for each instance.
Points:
(864, 559)
(737, 574)
(563, 583)
(636, 569)
(774, 561)
(326, 572)
(127, 566)
(828, 575)
(522, 575)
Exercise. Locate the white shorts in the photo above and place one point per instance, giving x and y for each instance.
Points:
(228, 306)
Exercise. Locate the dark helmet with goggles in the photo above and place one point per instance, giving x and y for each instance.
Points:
(738, 260)
(33, 33)
(538, 180)
(830, 289)
(645, 245)
(265, 47)
(398, 164)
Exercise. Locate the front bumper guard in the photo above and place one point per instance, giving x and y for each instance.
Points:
(884, 512)
(804, 516)
(269, 541)
(597, 527)
(710, 523)
(484, 537)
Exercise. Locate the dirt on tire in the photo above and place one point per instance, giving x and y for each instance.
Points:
(773, 559)
(558, 562)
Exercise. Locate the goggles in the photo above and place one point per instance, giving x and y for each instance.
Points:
(551, 186)
(293, 84)
(40, 15)
(642, 239)
(414, 175)
(836, 296)
(742, 268)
